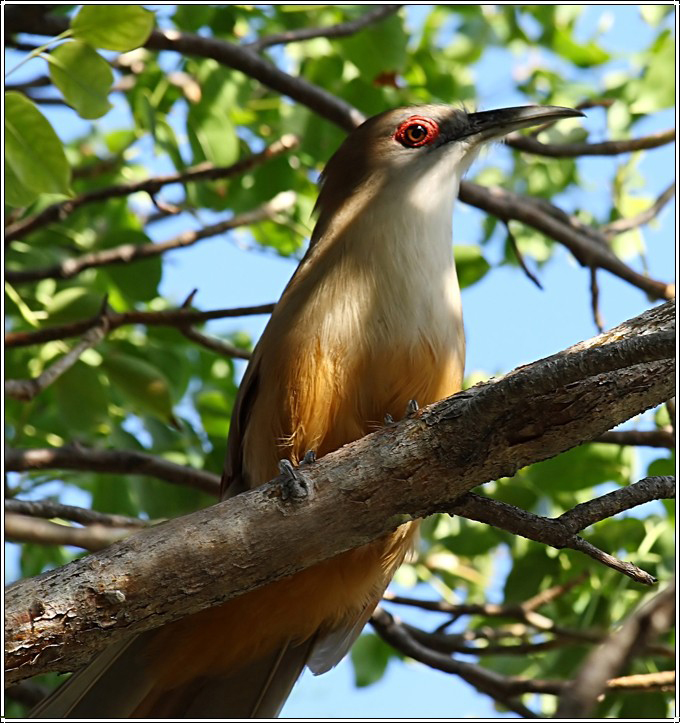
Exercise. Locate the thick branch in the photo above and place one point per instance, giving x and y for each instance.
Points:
(340, 30)
(202, 172)
(356, 494)
(510, 206)
(605, 148)
(110, 462)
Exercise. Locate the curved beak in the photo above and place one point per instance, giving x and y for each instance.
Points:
(490, 124)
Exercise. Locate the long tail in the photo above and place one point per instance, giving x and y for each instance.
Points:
(119, 684)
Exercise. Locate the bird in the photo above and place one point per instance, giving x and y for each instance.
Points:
(370, 321)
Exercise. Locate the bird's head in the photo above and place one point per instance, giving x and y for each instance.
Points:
(418, 154)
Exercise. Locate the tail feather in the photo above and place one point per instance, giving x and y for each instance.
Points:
(119, 684)
(109, 687)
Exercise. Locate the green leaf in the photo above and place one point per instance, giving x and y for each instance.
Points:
(142, 384)
(114, 27)
(584, 466)
(378, 48)
(83, 76)
(81, 397)
(470, 264)
(137, 281)
(16, 194)
(370, 656)
(33, 152)
(212, 136)
(72, 304)
(581, 54)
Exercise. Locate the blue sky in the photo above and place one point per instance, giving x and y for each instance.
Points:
(508, 320)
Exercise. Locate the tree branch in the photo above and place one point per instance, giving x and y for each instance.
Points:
(340, 30)
(110, 462)
(358, 493)
(27, 389)
(510, 206)
(561, 532)
(653, 618)
(233, 56)
(127, 253)
(21, 528)
(641, 438)
(528, 144)
(171, 317)
(626, 224)
(49, 509)
(202, 172)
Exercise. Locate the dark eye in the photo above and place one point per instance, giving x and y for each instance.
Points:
(417, 131)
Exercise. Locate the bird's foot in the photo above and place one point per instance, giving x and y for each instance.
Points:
(294, 485)
(411, 408)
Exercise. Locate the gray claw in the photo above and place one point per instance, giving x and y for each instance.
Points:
(309, 458)
(388, 419)
(294, 485)
(411, 408)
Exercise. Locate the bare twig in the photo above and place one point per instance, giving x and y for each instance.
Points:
(561, 532)
(520, 257)
(509, 206)
(170, 317)
(130, 252)
(27, 389)
(595, 300)
(202, 172)
(334, 31)
(642, 438)
(111, 462)
(485, 681)
(653, 618)
(626, 224)
(49, 510)
(219, 346)
(20, 528)
(527, 144)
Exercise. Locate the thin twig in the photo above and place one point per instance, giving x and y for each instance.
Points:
(595, 300)
(626, 224)
(49, 510)
(334, 31)
(27, 389)
(662, 681)
(221, 347)
(130, 252)
(110, 462)
(520, 257)
(527, 144)
(170, 317)
(202, 172)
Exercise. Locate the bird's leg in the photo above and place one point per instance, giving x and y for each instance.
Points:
(294, 485)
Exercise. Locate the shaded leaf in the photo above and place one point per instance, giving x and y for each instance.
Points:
(114, 27)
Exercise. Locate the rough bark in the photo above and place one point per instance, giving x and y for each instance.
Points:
(419, 466)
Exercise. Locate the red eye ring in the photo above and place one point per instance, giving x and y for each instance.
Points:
(417, 131)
